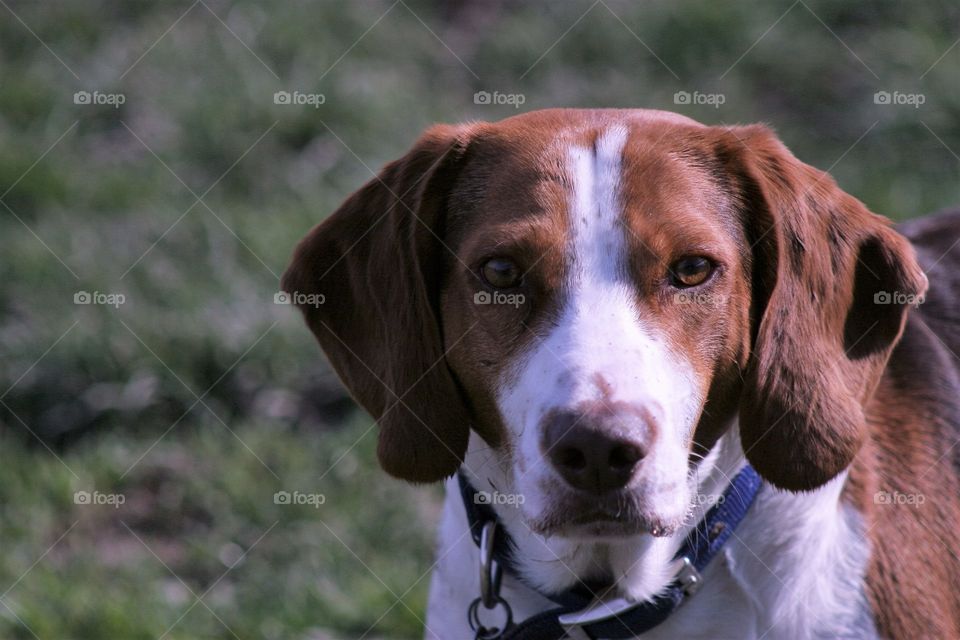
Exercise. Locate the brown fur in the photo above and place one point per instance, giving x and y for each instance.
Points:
(822, 343)
(376, 261)
(914, 427)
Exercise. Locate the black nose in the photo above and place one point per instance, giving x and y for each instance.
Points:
(593, 453)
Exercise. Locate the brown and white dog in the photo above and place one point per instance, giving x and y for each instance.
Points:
(605, 314)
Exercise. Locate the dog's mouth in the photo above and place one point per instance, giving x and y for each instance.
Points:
(599, 525)
(624, 519)
(594, 517)
(606, 525)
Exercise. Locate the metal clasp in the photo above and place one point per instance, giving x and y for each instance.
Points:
(687, 575)
(490, 572)
(490, 577)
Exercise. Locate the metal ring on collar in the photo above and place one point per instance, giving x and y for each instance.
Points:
(489, 633)
(490, 572)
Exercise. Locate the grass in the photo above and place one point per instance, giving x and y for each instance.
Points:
(198, 518)
(101, 199)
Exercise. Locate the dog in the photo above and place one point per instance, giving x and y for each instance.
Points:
(678, 382)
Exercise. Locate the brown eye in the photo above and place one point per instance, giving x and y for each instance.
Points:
(690, 271)
(501, 273)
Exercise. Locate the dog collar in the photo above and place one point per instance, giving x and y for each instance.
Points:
(581, 616)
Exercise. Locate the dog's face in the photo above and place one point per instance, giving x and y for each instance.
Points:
(595, 305)
(599, 295)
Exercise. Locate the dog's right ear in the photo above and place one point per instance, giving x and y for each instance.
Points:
(367, 281)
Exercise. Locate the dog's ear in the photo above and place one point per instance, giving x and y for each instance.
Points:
(832, 283)
(367, 281)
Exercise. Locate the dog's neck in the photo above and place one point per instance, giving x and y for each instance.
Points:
(639, 566)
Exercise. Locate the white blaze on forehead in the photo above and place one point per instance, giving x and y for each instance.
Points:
(598, 242)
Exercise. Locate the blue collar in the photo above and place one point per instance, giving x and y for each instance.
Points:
(579, 616)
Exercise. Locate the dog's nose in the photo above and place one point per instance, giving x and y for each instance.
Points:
(593, 454)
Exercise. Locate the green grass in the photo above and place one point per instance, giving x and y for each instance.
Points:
(102, 199)
(204, 504)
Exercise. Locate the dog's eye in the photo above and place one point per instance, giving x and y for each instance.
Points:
(501, 273)
(690, 271)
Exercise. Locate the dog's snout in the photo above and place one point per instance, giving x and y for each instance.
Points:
(594, 453)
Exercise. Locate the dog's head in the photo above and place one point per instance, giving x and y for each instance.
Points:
(600, 295)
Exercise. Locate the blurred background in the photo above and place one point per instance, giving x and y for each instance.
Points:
(178, 460)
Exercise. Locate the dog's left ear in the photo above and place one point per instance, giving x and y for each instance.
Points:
(832, 283)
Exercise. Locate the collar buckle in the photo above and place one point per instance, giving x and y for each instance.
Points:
(687, 576)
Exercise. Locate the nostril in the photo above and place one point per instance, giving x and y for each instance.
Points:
(624, 456)
(571, 458)
(592, 451)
